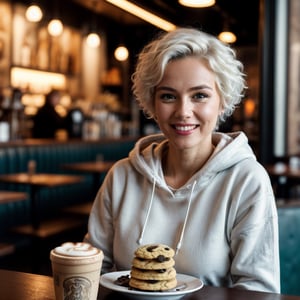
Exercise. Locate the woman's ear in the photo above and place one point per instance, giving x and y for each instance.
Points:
(221, 111)
(221, 107)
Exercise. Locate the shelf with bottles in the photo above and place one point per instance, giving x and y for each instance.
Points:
(35, 84)
(111, 83)
(36, 81)
(33, 47)
(12, 117)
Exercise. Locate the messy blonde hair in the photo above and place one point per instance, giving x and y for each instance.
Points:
(181, 43)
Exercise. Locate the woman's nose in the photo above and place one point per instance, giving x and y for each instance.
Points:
(184, 108)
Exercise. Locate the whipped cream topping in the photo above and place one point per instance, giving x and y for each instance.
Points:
(76, 249)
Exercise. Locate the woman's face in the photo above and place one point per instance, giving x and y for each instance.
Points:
(187, 103)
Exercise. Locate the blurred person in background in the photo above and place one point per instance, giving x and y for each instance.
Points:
(47, 121)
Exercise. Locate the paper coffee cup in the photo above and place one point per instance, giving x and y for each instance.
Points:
(76, 269)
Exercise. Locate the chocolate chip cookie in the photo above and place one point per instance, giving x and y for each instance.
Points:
(153, 285)
(161, 274)
(153, 268)
(154, 250)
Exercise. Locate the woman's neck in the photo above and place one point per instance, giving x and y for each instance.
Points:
(180, 166)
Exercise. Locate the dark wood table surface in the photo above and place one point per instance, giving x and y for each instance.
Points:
(96, 168)
(89, 166)
(283, 178)
(25, 286)
(8, 197)
(40, 179)
(283, 169)
(37, 181)
(12, 196)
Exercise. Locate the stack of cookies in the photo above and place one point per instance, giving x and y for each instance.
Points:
(153, 268)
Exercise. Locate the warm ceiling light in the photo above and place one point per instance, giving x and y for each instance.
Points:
(143, 14)
(55, 27)
(197, 3)
(34, 13)
(227, 37)
(93, 40)
(38, 81)
(121, 53)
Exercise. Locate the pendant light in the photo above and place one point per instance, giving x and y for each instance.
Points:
(55, 26)
(121, 53)
(34, 13)
(227, 37)
(197, 3)
(93, 39)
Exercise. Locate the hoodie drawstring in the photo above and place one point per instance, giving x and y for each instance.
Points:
(178, 246)
(140, 240)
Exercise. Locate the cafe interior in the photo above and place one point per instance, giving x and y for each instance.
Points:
(87, 50)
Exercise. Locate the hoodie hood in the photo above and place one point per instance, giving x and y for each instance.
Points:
(230, 148)
(147, 155)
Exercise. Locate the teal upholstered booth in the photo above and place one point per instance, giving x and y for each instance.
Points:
(289, 241)
(49, 157)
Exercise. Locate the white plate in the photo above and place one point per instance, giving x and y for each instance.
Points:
(185, 283)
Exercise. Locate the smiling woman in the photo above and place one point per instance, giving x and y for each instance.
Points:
(197, 190)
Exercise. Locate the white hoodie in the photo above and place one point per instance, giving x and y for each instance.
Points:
(223, 221)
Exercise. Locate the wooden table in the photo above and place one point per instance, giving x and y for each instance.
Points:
(37, 181)
(283, 170)
(12, 196)
(96, 168)
(283, 178)
(25, 286)
(8, 197)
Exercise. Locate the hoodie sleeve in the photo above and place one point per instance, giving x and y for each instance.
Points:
(100, 225)
(254, 238)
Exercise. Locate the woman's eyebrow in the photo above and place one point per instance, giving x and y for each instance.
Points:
(198, 87)
(164, 88)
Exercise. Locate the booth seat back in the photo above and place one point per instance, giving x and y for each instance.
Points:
(289, 245)
(49, 159)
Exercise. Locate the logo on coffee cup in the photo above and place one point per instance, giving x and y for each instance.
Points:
(77, 288)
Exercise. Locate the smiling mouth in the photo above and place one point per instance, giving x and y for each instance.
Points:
(185, 127)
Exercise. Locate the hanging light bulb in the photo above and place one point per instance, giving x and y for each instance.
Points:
(121, 53)
(227, 37)
(34, 13)
(93, 40)
(197, 3)
(55, 27)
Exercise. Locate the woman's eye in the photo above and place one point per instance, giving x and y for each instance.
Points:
(167, 97)
(200, 96)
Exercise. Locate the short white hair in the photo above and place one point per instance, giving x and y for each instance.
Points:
(180, 43)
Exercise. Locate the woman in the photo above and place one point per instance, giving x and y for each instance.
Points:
(199, 191)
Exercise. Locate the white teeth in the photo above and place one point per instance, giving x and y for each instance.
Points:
(185, 128)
